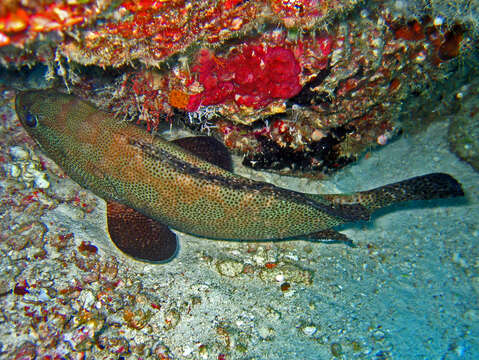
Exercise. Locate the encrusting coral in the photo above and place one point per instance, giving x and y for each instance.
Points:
(294, 86)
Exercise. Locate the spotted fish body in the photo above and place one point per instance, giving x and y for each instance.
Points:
(121, 162)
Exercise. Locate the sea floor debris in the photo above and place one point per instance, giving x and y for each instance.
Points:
(66, 292)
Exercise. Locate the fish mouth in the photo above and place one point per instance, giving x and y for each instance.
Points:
(20, 106)
(19, 101)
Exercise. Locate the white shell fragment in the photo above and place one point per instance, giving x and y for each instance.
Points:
(26, 168)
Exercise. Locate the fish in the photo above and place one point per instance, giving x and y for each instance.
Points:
(152, 185)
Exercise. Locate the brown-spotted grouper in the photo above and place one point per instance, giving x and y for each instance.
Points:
(150, 183)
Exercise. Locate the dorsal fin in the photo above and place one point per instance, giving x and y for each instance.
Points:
(208, 149)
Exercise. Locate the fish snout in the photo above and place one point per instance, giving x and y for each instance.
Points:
(25, 104)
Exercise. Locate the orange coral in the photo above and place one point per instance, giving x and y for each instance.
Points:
(178, 99)
(20, 23)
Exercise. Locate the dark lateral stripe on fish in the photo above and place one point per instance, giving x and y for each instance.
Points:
(346, 212)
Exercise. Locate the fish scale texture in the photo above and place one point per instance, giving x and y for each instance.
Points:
(119, 161)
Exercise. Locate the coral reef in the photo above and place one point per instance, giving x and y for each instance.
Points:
(300, 87)
(464, 128)
(109, 32)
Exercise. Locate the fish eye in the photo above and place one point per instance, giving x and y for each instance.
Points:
(31, 120)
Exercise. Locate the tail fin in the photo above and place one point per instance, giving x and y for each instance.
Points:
(425, 187)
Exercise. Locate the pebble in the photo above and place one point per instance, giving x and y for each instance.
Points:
(260, 261)
(378, 335)
(25, 169)
(5, 285)
(41, 182)
(459, 260)
(19, 154)
(309, 330)
(229, 268)
(115, 345)
(292, 257)
(15, 171)
(336, 349)
(438, 21)
(364, 13)
(266, 333)
(471, 316)
(86, 298)
(290, 272)
(172, 318)
(188, 351)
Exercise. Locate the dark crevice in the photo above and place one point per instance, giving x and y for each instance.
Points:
(323, 155)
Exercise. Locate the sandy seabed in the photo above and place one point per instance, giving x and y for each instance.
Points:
(408, 289)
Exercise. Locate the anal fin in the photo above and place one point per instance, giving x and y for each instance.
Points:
(140, 236)
(329, 234)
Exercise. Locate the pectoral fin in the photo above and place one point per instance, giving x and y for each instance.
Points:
(139, 236)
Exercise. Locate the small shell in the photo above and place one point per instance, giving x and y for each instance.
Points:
(19, 154)
(15, 171)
